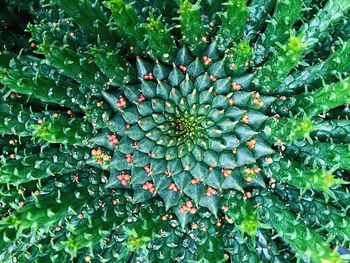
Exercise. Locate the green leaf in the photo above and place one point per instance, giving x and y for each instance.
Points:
(218, 69)
(214, 179)
(170, 198)
(199, 171)
(163, 90)
(175, 77)
(227, 160)
(244, 156)
(182, 179)
(140, 159)
(195, 69)
(174, 166)
(211, 158)
(195, 192)
(131, 115)
(210, 202)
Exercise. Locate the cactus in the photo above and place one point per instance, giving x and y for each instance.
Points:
(208, 131)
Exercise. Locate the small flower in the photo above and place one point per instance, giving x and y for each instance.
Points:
(148, 186)
(183, 68)
(210, 191)
(189, 204)
(128, 158)
(188, 207)
(121, 103)
(148, 76)
(141, 98)
(173, 187)
(207, 60)
(249, 179)
(124, 179)
(236, 86)
(251, 144)
(248, 171)
(256, 170)
(147, 169)
(245, 119)
(226, 172)
(112, 139)
(248, 194)
(194, 181)
(182, 209)
(257, 100)
(232, 66)
(99, 156)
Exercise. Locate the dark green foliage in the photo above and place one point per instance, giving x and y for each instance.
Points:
(14, 17)
(174, 131)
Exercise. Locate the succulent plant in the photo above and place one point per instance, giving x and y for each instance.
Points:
(174, 131)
